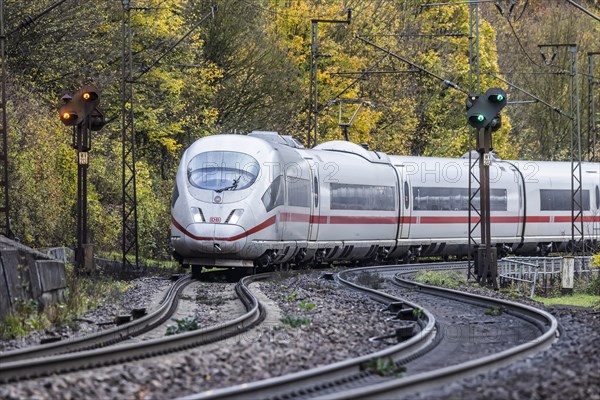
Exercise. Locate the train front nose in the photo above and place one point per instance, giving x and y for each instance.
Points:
(215, 238)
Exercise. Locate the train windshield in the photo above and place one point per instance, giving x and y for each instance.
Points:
(222, 170)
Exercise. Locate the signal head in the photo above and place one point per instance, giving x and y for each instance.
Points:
(68, 117)
(484, 111)
(496, 96)
(89, 96)
(77, 108)
(477, 120)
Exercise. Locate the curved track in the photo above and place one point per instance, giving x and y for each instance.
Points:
(545, 323)
(350, 378)
(36, 367)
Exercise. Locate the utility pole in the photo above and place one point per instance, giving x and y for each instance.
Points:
(592, 128)
(313, 85)
(4, 202)
(130, 246)
(129, 239)
(577, 232)
(474, 87)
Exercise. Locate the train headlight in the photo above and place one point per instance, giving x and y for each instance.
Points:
(234, 217)
(197, 214)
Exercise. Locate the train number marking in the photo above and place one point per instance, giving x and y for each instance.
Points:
(215, 220)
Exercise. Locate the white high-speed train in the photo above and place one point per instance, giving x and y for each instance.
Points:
(262, 199)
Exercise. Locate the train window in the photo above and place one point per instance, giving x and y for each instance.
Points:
(597, 197)
(175, 195)
(454, 199)
(498, 200)
(273, 196)
(222, 170)
(561, 199)
(406, 195)
(316, 191)
(298, 191)
(362, 197)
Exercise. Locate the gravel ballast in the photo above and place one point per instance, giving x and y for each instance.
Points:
(333, 324)
(341, 322)
(570, 369)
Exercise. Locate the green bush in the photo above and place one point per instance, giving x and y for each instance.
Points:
(83, 293)
(294, 321)
(596, 260)
(594, 285)
(303, 305)
(183, 325)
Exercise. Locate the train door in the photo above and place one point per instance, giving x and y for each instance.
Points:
(522, 205)
(405, 208)
(315, 206)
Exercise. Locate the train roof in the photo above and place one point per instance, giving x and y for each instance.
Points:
(276, 138)
(352, 148)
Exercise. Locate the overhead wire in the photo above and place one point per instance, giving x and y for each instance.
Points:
(512, 28)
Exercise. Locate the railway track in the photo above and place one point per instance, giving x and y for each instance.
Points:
(354, 379)
(39, 366)
(106, 337)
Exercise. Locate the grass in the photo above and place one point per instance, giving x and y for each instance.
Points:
(578, 299)
(383, 366)
(494, 311)
(83, 293)
(449, 279)
(149, 262)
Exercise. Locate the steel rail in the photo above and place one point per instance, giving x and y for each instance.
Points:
(308, 381)
(544, 321)
(106, 337)
(37, 367)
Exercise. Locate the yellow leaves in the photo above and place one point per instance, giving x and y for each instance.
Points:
(210, 115)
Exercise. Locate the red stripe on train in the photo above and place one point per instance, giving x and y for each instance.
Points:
(369, 220)
(362, 220)
(586, 218)
(265, 224)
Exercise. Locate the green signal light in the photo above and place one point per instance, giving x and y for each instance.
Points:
(499, 97)
(480, 118)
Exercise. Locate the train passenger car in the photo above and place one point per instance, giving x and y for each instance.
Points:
(262, 199)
